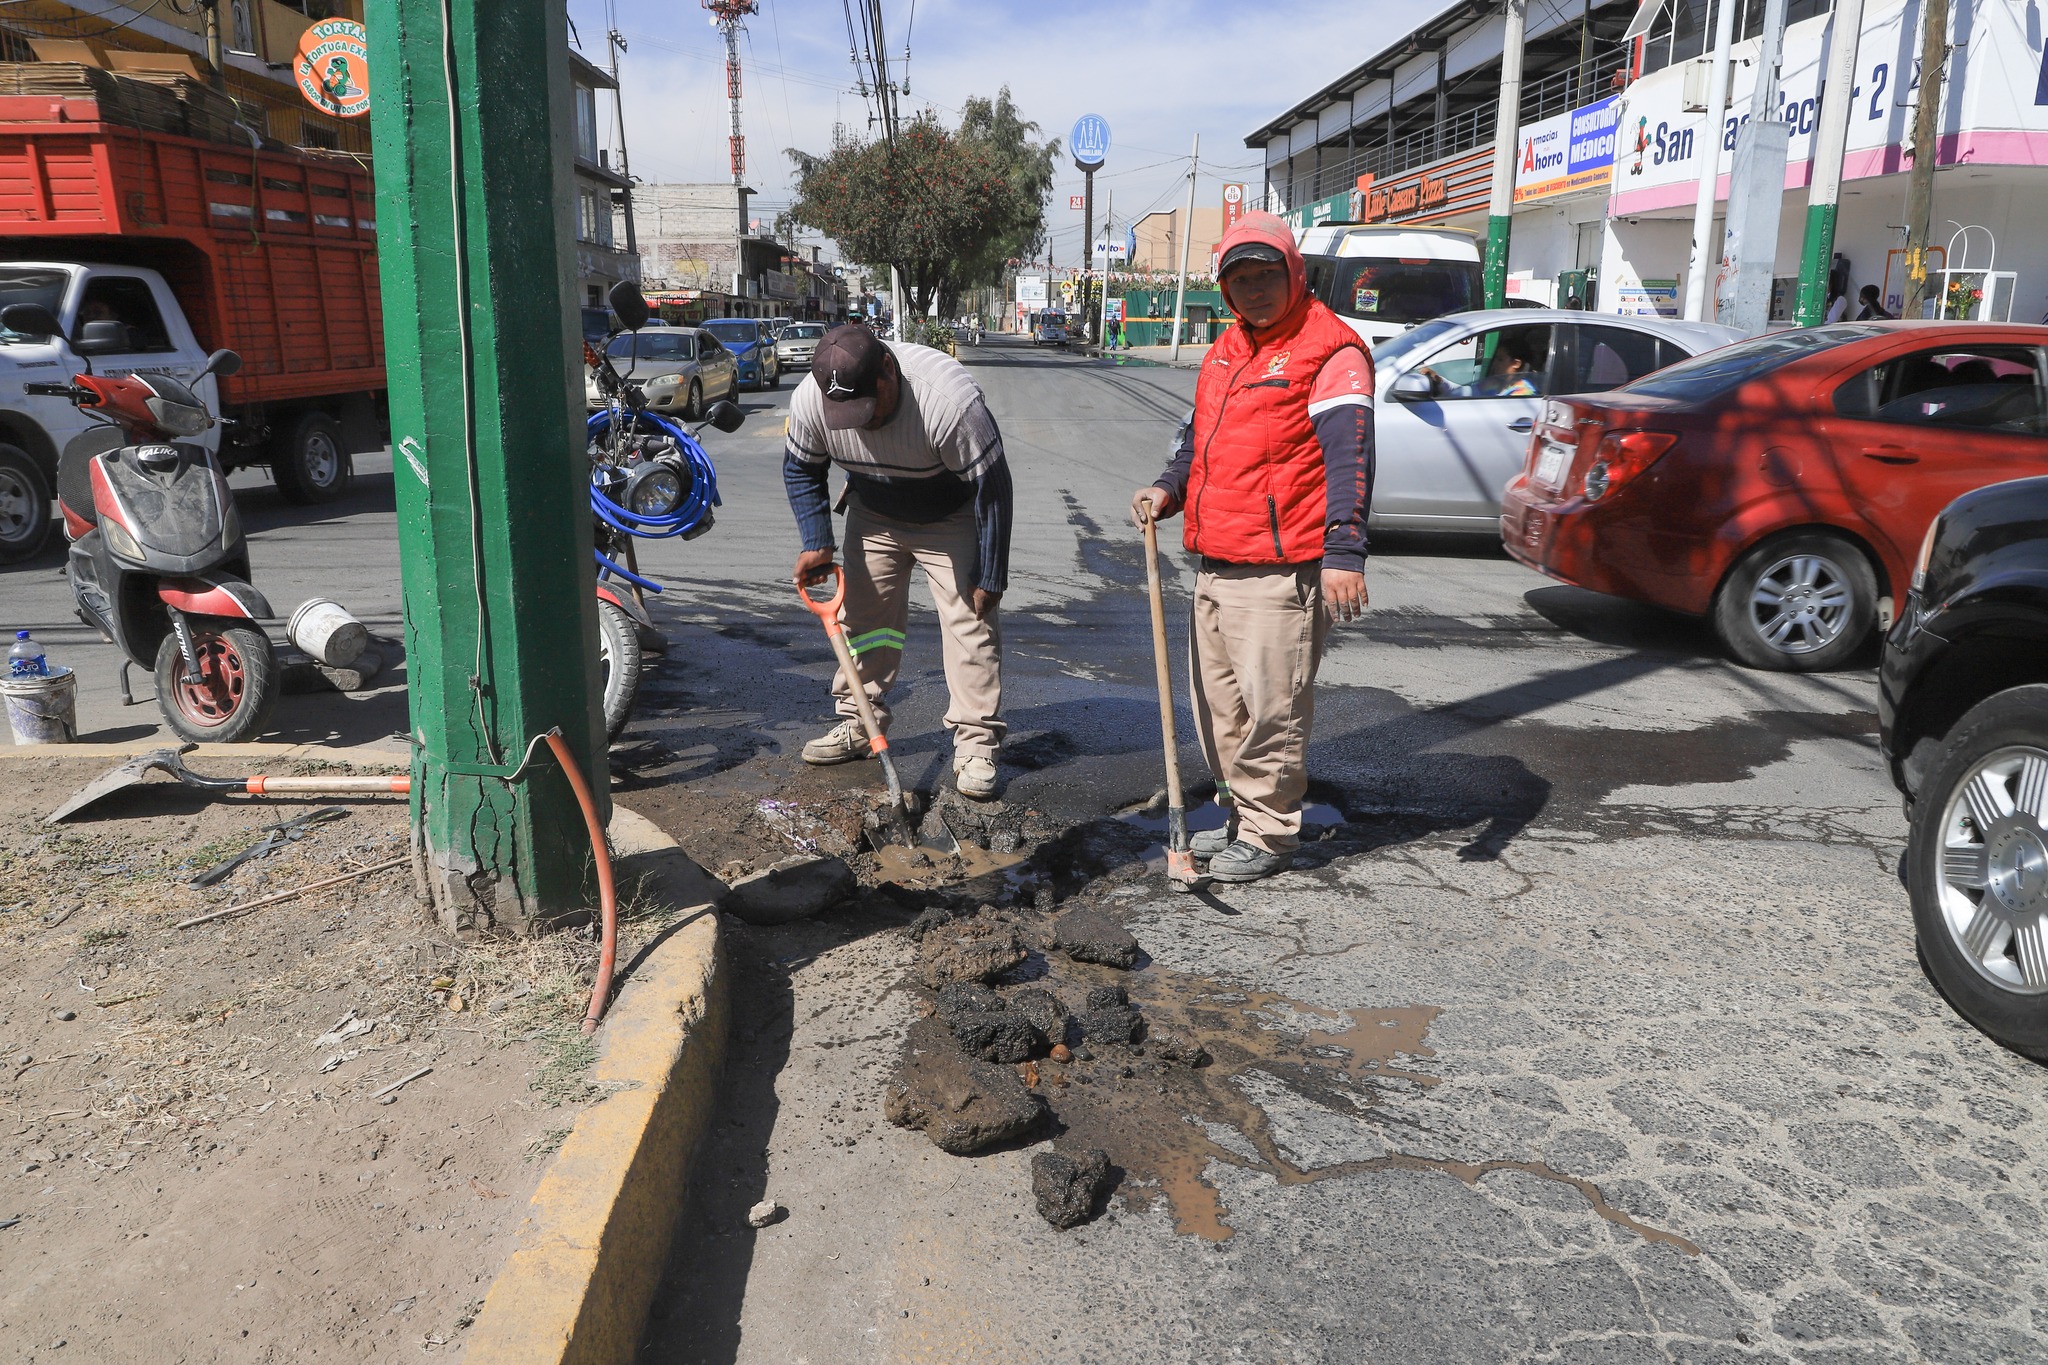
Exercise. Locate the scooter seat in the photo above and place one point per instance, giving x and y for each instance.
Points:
(74, 472)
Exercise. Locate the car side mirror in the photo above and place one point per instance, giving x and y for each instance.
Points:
(629, 304)
(1413, 387)
(222, 363)
(104, 337)
(726, 415)
(31, 320)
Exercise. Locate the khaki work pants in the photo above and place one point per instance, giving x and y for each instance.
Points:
(878, 557)
(1256, 641)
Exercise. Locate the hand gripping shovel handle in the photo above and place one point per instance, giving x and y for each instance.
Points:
(827, 613)
(1180, 859)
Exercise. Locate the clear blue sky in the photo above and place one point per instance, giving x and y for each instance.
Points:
(1158, 71)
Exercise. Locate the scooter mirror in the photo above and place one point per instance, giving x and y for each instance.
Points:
(726, 416)
(223, 363)
(629, 304)
(30, 320)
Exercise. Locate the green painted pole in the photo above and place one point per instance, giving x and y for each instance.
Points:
(472, 138)
(1507, 130)
(1830, 142)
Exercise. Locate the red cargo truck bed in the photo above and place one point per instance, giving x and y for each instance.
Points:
(272, 254)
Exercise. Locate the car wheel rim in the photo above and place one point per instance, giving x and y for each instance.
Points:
(1801, 604)
(17, 506)
(1993, 879)
(214, 699)
(322, 462)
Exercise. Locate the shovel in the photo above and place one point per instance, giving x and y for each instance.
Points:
(1180, 857)
(828, 614)
(136, 769)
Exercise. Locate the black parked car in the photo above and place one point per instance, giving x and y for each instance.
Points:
(1963, 706)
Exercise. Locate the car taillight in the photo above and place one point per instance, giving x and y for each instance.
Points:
(1926, 553)
(1621, 456)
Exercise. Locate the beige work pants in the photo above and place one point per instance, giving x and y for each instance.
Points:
(878, 557)
(1256, 641)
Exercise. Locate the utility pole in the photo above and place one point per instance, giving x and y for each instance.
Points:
(731, 16)
(1830, 141)
(615, 43)
(1108, 227)
(1187, 235)
(1920, 183)
(1087, 242)
(500, 623)
(1507, 127)
(215, 59)
(1756, 192)
(1710, 169)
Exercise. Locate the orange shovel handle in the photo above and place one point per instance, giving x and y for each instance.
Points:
(828, 612)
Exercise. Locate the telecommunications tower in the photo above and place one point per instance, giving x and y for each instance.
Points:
(730, 17)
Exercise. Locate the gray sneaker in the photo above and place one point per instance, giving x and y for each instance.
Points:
(1207, 843)
(1243, 862)
(843, 743)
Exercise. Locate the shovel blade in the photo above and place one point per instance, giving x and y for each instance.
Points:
(129, 774)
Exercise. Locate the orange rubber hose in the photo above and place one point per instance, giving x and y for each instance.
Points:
(607, 894)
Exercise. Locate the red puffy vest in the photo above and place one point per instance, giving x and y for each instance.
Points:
(1256, 491)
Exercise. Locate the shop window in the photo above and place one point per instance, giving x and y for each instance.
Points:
(1987, 388)
(128, 301)
(1506, 362)
(586, 123)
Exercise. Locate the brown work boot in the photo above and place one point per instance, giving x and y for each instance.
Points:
(843, 743)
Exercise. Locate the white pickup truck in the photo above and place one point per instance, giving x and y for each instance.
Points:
(36, 430)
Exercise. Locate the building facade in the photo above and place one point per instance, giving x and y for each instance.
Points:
(602, 193)
(694, 257)
(1156, 241)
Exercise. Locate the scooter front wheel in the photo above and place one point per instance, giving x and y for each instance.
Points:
(238, 682)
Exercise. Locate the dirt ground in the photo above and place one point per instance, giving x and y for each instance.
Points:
(195, 1164)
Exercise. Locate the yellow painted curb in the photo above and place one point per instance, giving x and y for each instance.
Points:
(577, 1287)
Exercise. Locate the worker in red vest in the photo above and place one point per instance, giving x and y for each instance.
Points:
(1274, 471)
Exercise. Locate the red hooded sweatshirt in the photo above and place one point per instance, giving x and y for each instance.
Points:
(1276, 465)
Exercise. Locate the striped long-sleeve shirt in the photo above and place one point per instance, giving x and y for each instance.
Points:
(939, 451)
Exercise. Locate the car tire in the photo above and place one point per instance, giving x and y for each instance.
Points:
(25, 520)
(1804, 602)
(619, 659)
(693, 410)
(309, 462)
(242, 682)
(1982, 816)
(773, 373)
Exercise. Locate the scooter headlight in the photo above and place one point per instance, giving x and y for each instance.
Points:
(654, 490)
(119, 540)
(179, 419)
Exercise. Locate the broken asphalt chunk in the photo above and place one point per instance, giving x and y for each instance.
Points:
(1089, 935)
(962, 1104)
(971, 950)
(795, 888)
(1069, 1185)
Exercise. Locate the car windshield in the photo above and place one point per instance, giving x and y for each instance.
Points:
(1718, 371)
(19, 284)
(1393, 349)
(1400, 289)
(729, 332)
(803, 331)
(654, 346)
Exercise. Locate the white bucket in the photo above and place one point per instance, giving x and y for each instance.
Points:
(43, 710)
(326, 631)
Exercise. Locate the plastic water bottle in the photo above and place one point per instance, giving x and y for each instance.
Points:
(25, 659)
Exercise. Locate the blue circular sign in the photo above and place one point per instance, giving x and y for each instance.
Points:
(1089, 142)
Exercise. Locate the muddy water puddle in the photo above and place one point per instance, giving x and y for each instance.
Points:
(1164, 1125)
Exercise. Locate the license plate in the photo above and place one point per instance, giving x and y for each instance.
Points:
(1550, 464)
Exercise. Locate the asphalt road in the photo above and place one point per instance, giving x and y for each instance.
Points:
(1659, 1080)
(1656, 1076)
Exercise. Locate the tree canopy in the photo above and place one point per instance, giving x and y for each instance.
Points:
(948, 207)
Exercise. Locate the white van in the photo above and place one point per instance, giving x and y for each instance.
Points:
(1384, 280)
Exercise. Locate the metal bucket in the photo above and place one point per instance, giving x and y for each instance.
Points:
(43, 710)
(326, 631)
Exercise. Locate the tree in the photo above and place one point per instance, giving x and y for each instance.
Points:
(945, 207)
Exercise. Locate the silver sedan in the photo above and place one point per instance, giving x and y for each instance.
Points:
(1457, 396)
(682, 370)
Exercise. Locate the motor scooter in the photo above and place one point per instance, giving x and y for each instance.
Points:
(157, 563)
(650, 478)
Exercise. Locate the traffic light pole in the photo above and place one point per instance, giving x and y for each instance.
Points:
(473, 191)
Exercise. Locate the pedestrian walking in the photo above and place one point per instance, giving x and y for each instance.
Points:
(1276, 508)
(926, 486)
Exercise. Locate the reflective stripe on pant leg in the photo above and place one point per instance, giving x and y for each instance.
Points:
(877, 610)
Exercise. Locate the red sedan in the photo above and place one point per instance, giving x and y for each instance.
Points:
(1781, 485)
